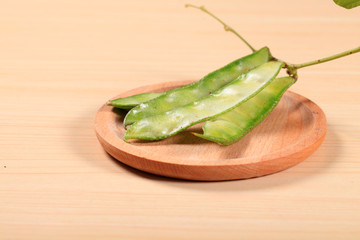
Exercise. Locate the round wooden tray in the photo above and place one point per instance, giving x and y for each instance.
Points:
(291, 133)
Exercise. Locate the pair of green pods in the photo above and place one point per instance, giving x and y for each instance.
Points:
(231, 100)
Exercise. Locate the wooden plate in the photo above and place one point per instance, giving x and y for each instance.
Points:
(293, 131)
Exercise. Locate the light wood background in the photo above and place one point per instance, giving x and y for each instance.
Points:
(60, 60)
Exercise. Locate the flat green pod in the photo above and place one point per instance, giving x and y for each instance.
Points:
(169, 123)
(189, 93)
(132, 101)
(235, 124)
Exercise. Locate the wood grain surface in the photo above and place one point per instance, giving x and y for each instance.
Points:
(290, 134)
(61, 60)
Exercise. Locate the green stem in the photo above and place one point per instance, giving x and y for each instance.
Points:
(326, 59)
(292, 68)
(226, 27)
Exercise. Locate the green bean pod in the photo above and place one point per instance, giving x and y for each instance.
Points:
(191, 92)
(132, 101)
(235, 124)
(169, 123)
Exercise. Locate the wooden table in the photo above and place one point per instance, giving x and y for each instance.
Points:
(61, 60)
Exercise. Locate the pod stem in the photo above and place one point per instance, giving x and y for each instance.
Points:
(291, 69)
(226, 27)
(326, 59)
